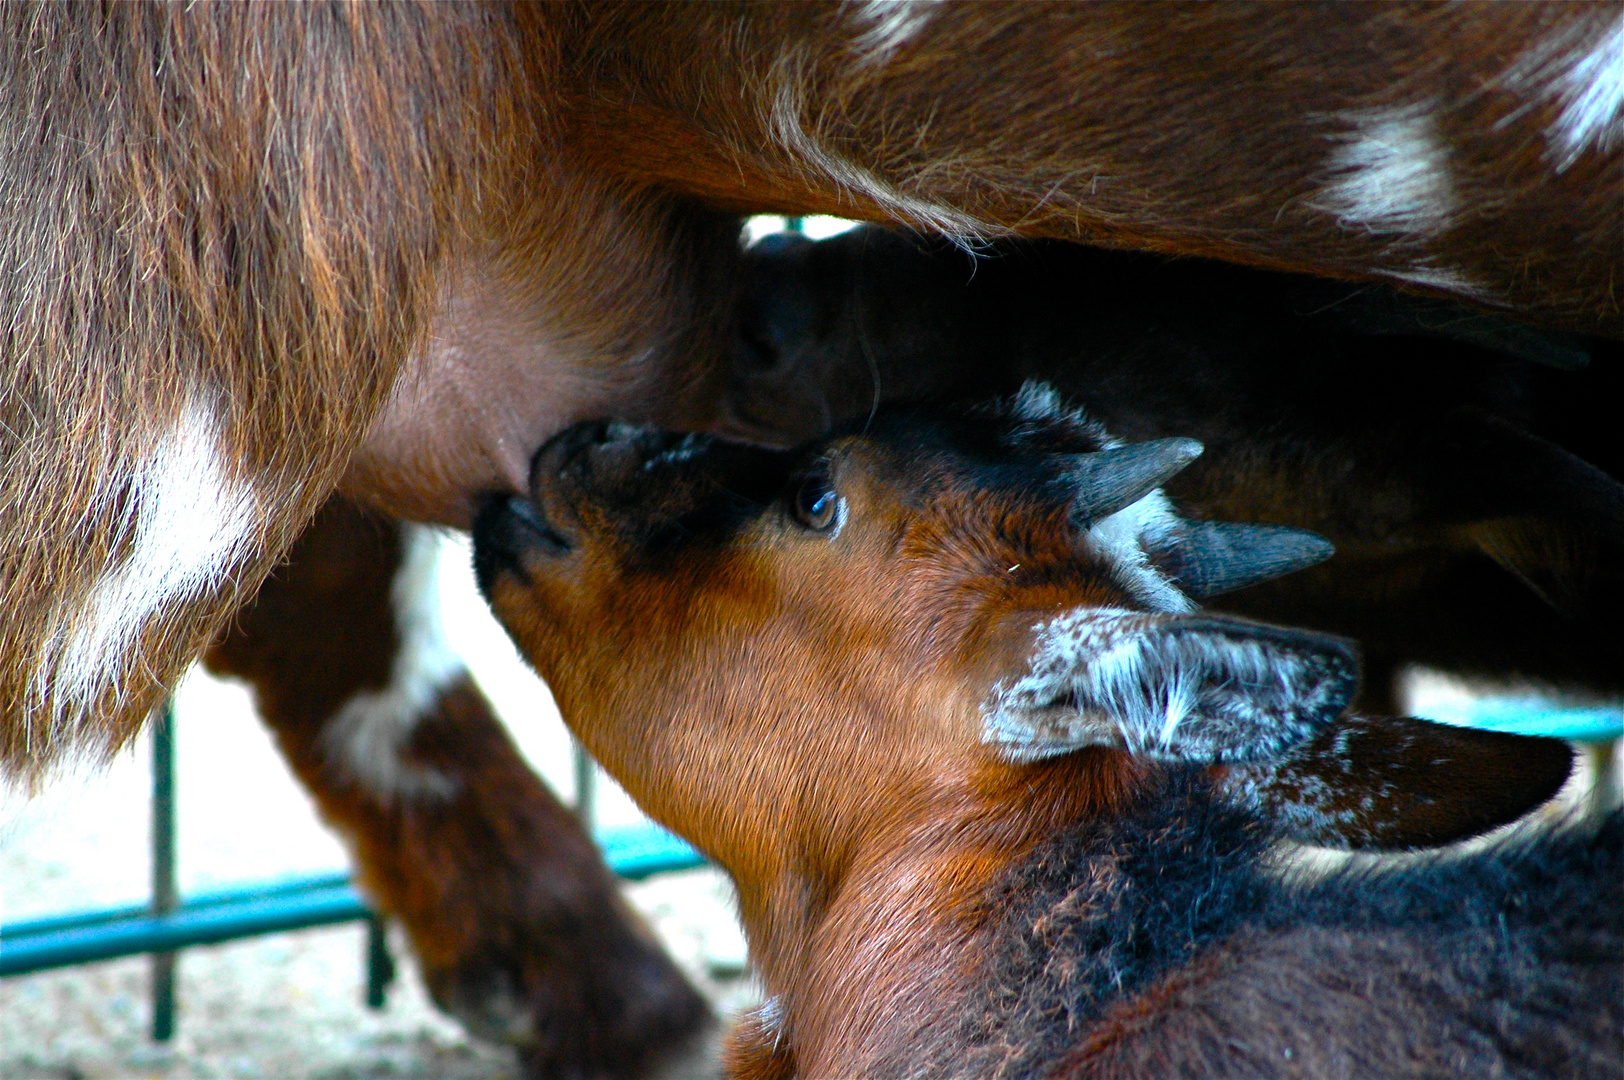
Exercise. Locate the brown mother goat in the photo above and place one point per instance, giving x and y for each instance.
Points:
(259, 253)
(257, 250)
(995, 796)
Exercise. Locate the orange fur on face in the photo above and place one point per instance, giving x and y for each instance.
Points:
(832, 688)
(802, 661)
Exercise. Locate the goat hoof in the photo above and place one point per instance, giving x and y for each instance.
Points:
(651, 1023)
(488, 1002)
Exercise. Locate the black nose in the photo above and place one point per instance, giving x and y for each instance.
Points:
(506, 528)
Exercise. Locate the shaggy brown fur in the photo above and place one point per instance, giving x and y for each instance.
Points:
(256, 252)
(244, 246)
(233, 230)
(1157, 942)
(1217, 131)
(239, 206)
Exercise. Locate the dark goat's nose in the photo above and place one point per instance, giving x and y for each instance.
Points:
(505, 529)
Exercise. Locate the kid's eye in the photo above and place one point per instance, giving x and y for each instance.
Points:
(816, 505)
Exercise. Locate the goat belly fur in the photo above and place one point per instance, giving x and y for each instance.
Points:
(1168, 941)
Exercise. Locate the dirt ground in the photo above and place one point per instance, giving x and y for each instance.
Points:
(284, 1006)
(288, 1007)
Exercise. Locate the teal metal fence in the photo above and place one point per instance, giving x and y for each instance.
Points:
(170, 922)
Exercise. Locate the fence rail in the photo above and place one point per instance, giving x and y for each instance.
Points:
(169, 922)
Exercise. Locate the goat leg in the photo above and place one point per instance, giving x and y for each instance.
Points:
(520, 929)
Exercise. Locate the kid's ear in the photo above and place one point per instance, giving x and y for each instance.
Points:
(1193, 688)
(1390, 784)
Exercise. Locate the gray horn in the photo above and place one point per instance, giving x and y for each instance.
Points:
(1213, 557)
(1108, 480)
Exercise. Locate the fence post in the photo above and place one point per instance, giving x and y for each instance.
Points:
(165, 895)
(586, 785)
(380, 965)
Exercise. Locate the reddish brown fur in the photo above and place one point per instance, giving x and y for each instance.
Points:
(274, 245)
(277, 208)
(757, 834)
(520, 928)
(395, 247)
(1201, 131)
(238, 199)
(831, 686)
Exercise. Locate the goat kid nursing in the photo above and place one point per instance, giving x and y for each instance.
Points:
(999, 801)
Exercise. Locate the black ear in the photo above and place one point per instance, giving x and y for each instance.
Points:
(1400, 783)
(1550, 518)
(1195, 688)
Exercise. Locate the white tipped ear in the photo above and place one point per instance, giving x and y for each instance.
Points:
(1195, 688)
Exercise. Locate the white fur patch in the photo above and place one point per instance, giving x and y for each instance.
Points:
(1123, 539)
(1309, 806)
(1039, 402)
(1164, 687)
(1581, 68)
(1391, 173)
(784, 121)
(770, 1016)
(1312, 797)
(1443, 277)
(188, 524)
(887, 25)
(368, 734)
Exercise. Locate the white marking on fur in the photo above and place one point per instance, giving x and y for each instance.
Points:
(1161, 687)
(1391, 173)
(890, 24)
(1443, 277)
(784, 121)
(686, 448)
(770, 1015)
(1306, 804)
(188, 523)
(1581, 68)
(1123, 538)
(368, 734)
(1038, 402)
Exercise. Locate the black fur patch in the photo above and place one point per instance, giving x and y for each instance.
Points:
(1508, 962)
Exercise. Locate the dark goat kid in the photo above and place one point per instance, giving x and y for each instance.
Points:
(999, 800)
(1467, 468)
